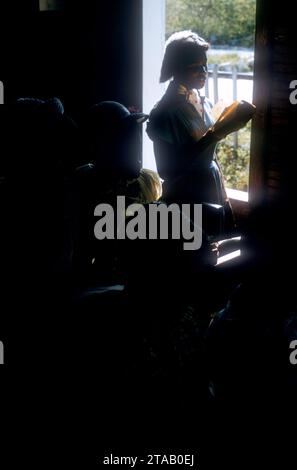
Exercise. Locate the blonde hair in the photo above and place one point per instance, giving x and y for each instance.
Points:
(149, 186)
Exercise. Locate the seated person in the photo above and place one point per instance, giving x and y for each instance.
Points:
(112, 137)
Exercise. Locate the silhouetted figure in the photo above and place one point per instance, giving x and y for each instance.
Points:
(112, 139)
(178, 122)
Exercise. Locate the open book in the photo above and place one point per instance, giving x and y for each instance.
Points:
(233, 118)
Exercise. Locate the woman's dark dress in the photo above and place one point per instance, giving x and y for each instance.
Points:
(174, 125)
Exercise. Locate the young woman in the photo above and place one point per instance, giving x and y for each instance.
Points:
(178, 122)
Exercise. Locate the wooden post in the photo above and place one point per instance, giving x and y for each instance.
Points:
(215, 84)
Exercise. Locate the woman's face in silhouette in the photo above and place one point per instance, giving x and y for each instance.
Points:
(195, 74)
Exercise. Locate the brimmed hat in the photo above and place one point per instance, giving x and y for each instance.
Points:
(112, 135)
(111, 115)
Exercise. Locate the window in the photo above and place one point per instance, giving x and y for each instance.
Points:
(229, 25)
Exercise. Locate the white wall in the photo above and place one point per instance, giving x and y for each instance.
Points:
(153, 50)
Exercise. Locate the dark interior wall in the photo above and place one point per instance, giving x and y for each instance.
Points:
(87, 52)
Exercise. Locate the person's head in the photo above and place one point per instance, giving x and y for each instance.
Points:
(42, 136)
(185, 59)
(114, 138)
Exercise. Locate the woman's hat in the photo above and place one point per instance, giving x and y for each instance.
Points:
(111, 115)
(112, 133)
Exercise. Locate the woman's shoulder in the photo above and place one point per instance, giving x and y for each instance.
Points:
(165, 109)
(172, 105)
(168, 119)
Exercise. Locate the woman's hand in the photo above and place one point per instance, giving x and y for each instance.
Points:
(233, 118)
